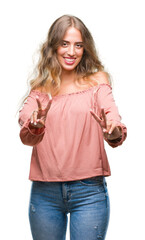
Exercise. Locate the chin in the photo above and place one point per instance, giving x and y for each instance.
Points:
(69, 67)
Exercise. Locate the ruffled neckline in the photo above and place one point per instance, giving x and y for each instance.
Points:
(73, 93)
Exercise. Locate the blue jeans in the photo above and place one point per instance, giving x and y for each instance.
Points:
(86, 200)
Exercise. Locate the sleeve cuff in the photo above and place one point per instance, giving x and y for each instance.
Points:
(117, 142)
(29, 136)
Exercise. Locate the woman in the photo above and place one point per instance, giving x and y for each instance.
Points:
(69, 112)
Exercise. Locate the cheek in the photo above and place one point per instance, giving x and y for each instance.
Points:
(80, 53)
(59, 54)
(60, 51)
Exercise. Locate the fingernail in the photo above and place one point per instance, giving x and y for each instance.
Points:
(35, 123)
(50, 97)
(109, 132)
(31, 121)
(104, 130)
(37, 96)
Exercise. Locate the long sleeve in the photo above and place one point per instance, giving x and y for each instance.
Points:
(104, 98)
(29, 136)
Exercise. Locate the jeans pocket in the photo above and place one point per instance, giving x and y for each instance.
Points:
(93, 181)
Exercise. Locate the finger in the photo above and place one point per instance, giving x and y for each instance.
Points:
(111, 128)
(38, 103)
(49, 95)
(33, 118)
(40, 123)
(35, 114)
(48, 106)
(104, 118)
(95, 116)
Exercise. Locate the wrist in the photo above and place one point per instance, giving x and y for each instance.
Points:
(35, 129)
(115, 135)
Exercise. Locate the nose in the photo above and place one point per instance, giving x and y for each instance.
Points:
(71, 50)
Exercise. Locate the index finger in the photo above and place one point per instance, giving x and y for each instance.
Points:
(95, 116)
(48, 106)
(104, 117)
(38, 103)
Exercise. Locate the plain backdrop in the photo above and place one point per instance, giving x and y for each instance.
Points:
(118, 30)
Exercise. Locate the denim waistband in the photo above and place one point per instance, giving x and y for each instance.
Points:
(96, 177)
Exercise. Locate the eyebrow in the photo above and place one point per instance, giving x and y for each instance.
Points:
(68, 41)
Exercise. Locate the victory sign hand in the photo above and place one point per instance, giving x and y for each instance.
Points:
(110, 129)
(39, 115)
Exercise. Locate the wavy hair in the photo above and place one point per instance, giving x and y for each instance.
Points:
(49, 69)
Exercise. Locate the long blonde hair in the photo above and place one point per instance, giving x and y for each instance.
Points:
(49, 69)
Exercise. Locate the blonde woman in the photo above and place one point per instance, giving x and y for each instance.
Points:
(68, 113)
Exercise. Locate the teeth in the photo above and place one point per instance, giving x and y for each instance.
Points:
(69, 60)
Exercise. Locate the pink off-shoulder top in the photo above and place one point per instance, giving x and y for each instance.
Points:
(71, 146)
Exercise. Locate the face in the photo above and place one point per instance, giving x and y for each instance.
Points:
(70, 51)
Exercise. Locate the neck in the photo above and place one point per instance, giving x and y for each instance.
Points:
(68, 77)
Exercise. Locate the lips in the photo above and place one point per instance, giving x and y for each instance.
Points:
(69, 61)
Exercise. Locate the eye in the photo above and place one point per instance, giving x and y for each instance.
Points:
(79, 45)
(64, 44)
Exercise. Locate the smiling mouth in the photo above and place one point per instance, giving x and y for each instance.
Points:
(69, 61)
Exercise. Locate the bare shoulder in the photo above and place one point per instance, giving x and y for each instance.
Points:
(101, 77)
(40, 89)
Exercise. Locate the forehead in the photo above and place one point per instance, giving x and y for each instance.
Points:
(73, 34)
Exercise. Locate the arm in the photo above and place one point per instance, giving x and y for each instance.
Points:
(32, 120)
(108, 117)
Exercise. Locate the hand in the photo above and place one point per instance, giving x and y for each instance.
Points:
(110, 129)
(38, 116)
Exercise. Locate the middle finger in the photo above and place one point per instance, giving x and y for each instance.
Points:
(38, 103)
(34, 117)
